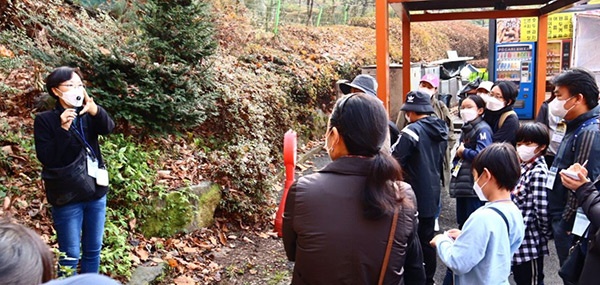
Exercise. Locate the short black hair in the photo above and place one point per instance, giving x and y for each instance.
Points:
(478, 101)
(502, 162)
(579, 81)
(534, 132)
(58, 76)
(509, 91)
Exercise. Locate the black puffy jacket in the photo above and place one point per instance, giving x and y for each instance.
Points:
(476, 135)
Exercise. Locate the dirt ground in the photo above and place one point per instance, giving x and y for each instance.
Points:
(261, 262)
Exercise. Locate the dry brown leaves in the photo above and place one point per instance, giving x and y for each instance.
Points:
(191, 257)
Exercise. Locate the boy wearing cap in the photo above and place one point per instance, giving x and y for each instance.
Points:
(420, 151)
(429, 84)
(367, 84)
(485, 87)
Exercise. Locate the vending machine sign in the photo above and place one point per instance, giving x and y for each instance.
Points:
(516, 62)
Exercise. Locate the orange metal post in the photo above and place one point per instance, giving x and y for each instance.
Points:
(382, 51)
(542, 58)
(405, 51)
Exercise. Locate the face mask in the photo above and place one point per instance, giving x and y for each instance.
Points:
(429, 92)
(526, 153)
(479, 190)
(557, 107)
(468, 115)
(73, 97)
(407, 117)
(481, 94)
(494, 104)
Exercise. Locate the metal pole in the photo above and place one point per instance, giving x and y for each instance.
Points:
(277, 17)
(346, 14)
(319, 18)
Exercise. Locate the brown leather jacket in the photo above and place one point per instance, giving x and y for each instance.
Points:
(325, 232)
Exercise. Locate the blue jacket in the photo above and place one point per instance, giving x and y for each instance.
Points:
(420, 151)
(580, 143)
(476, 135)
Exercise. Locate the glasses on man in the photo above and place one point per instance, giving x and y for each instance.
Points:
(73, 85)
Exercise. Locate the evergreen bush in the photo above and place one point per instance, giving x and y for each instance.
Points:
(154, 76)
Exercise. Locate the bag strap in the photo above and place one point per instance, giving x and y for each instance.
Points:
(504, 116)
(388, 249)
(504, 218)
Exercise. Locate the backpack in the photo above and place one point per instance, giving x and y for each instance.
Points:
(504, 116)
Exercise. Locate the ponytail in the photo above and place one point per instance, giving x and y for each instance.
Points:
(380, 194)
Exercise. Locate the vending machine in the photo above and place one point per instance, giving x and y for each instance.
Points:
(516, 62)
(559, 57)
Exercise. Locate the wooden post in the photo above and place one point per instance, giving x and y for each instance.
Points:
(382, 50)
(542, 58)
(405, 51)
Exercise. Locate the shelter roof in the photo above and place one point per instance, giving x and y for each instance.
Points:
(435, 10)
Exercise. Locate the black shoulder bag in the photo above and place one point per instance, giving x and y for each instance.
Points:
(69, 183)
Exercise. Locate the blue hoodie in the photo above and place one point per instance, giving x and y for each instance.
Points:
(420, 150)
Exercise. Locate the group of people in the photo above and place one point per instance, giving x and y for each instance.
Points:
(370, 215)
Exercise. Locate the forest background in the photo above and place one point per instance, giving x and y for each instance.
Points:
(200, 91)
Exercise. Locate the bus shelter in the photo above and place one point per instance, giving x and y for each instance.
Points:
(447, 10)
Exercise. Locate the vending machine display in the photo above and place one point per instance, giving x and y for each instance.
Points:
(516, 62)
(559, 57)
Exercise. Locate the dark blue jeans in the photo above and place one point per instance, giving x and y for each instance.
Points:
(562, 240)
(80, 227)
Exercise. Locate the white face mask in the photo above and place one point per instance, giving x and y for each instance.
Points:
(407, 117)
(557, 107)
(494, 104)
(427, 91)
(526, 153)
(479, 190)
(468, 115)
(327, 148)
(481, 94)
(73, 97)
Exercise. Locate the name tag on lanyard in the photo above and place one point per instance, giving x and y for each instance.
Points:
(559, 134)
(92, 166)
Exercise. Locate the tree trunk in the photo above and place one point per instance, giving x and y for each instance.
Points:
(364, 8)
(309, 4)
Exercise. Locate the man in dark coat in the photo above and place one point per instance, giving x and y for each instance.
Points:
(420, 151)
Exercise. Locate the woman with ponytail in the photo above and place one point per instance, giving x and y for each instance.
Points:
(337, 221)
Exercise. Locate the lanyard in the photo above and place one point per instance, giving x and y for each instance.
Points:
(81, 134)
(572, 141)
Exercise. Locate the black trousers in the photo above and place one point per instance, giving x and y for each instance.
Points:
(426, 234)
(530, 272)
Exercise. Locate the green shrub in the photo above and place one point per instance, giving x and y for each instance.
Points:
(115, 260)
(156, 86)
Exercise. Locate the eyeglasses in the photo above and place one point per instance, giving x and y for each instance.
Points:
(73, 85)
(497, 95)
